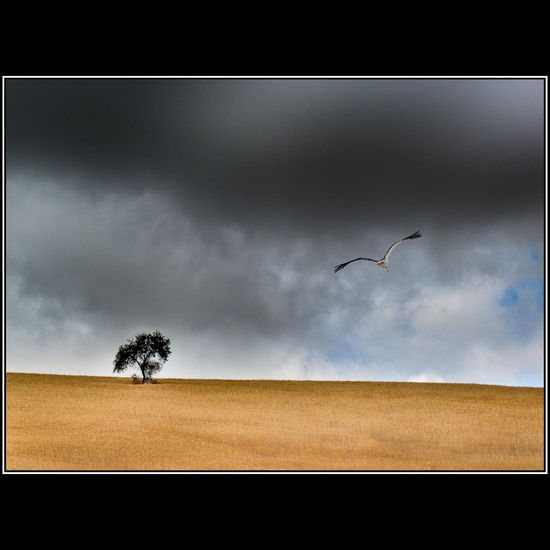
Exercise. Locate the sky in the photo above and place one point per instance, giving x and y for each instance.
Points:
(215, 209)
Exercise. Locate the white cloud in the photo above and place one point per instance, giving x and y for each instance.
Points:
(508, 363)
(240, 304)
(427, 376)
(454, 333)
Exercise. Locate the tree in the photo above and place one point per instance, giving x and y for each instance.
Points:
(148, 351)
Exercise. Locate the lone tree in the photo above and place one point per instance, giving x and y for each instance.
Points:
(148, 351)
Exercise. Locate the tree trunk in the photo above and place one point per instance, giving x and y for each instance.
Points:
(144, 373)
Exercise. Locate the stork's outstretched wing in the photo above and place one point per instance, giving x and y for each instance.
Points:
(341, 266)
(415, 235)
(387, 254)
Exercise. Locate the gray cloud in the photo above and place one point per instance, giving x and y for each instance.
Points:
(215, 210)
(311, 154)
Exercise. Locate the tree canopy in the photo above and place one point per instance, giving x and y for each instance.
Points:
(149, 352)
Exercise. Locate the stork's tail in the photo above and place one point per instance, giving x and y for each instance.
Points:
(413, 236)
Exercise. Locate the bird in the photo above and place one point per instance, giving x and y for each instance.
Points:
(384, 261)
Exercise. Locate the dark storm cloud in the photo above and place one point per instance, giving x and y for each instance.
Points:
(308, 154)
(135, 259)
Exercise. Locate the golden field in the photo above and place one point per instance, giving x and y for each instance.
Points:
(56, 422)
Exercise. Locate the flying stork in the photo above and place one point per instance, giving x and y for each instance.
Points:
(384, 261)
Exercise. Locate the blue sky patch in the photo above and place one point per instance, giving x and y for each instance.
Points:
(342, 351)
(535, 255)
(524, 305)
(531, 291)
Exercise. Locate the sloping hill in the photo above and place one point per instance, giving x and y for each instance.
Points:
(58, 422)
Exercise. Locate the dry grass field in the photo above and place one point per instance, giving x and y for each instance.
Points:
(58, 422)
